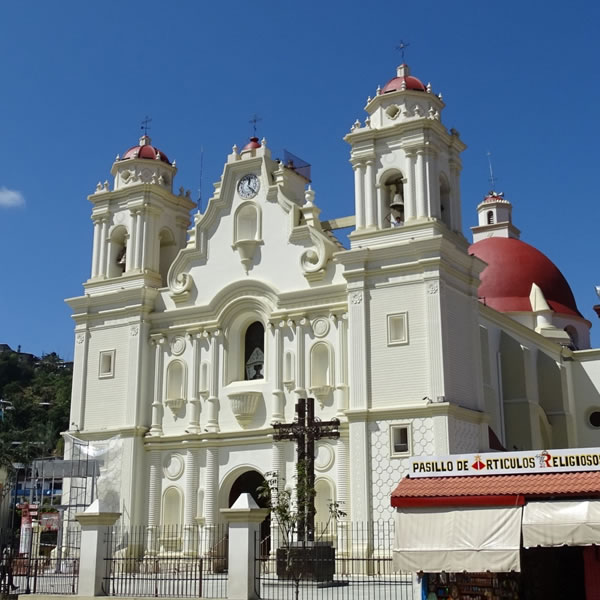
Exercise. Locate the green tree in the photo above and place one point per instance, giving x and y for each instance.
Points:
(34, 406)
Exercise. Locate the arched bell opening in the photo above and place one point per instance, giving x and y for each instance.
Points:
(445, 211)
(118, 252)
(394, 200)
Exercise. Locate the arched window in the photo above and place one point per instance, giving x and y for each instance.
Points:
(288, 367)
(118, 252)
(176, 381)
(254, 351)
(445, 212)
(167, 253)
(247, 223)
(490, 217)
(320, 366)
(324, 498)
(172, 513)
(574, 337)
(204, 381)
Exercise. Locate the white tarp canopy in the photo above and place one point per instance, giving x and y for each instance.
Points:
(454, 539)
(566, 522)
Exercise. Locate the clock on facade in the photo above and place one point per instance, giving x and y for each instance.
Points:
(248, 186)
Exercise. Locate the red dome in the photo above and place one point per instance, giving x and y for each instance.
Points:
(395, 84)
(512, 267)
(145, 150)
(253, 143)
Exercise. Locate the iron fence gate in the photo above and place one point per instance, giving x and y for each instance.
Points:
(175, 561)
(348, 561)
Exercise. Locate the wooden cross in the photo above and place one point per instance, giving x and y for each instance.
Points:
(305, 430)
(401, 47)
(146, 124)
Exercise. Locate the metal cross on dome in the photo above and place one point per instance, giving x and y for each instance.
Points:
(146, 124)
(401, 47)
(305, 430)
(253, 121)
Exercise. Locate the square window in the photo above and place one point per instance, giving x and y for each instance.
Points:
(400, 440)
(107, 364)
(397, 329)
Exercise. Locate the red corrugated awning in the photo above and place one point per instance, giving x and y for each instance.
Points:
(494, 490)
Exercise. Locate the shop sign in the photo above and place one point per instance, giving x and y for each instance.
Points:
(506, 463)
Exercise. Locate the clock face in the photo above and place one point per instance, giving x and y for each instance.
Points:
(248, 186)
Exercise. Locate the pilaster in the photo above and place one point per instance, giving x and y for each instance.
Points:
(157, 405)
(212, 423)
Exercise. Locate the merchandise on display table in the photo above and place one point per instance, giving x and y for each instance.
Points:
(473, 586)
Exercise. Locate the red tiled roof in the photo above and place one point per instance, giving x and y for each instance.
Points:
(506, 489)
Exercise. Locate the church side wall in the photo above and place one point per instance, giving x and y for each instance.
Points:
(106, 396)
(398, 372)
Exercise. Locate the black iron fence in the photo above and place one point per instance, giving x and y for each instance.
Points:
(346, 561)
(171, 561)
(38, 561)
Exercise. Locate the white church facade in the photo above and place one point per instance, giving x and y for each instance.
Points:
(194, 336)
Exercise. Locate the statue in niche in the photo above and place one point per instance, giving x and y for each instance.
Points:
(255, 364)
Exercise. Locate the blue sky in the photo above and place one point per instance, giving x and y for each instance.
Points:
(520, 79)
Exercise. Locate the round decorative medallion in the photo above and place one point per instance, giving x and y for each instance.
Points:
(119, 217)
(320, 327)
(324, 457)
(173, 466)
(178, 345)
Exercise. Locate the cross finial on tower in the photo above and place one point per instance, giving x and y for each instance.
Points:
(254, 120)
(146, 124)
(492, 178)
(401, 47)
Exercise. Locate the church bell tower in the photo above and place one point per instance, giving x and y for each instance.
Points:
(406, 164)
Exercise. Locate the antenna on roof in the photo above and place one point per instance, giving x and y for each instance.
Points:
(492, 178)
(200, 182)
(146, 124)
(401, 47)
(253, 121)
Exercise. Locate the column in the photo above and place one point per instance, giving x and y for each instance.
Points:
(343, 491)
(139, 239)
(300, 389)
(341, 367)
(80, 362)
(455, 194)
(190, 529)
(434, 339)
(96, 248)
(410, 201)
(194, 423)
(212, 423)
(277, 414)
(420, 187)
(360, 444)
(359, 195)
(432, 185)
(211, 490)
(145, 249)
(369, 188)
(132, 242)
(103, 267)
(154, 494)
(381, 207)
(277, 466)
(157, 406)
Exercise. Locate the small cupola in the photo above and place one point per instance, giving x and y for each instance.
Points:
(143, 164)
(403, 81)
(494, 218)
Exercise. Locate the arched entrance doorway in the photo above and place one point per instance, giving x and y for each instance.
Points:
(251, 482)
